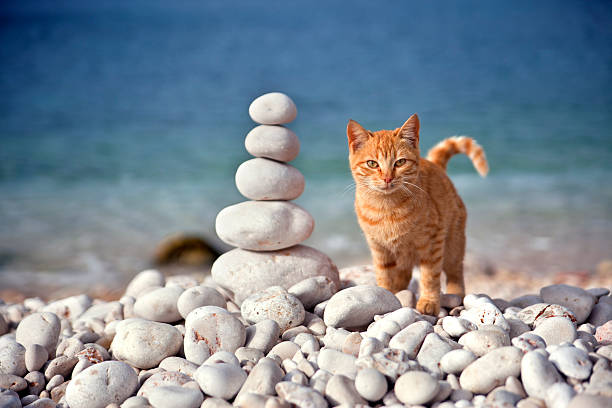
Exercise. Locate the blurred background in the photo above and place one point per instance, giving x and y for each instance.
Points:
(123, 122)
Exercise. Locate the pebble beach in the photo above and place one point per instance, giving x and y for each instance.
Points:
(276, 324)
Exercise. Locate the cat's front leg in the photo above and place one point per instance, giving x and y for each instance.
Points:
(385, 265)
(431, 269)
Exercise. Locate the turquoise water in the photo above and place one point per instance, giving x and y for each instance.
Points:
(121, 123)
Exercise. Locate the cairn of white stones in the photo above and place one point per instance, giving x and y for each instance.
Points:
(268, 229)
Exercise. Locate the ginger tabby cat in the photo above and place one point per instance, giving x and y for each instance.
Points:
(409, 209)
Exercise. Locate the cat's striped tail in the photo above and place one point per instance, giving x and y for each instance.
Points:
(443, 151)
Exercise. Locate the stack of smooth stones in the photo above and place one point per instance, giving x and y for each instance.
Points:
(269, 228)
(179, 342)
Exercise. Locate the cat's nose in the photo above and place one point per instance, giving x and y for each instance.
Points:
(388, 179)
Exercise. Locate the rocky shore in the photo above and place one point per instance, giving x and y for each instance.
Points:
(181, 342)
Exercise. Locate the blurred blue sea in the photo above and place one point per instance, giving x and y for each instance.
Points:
(123, 122)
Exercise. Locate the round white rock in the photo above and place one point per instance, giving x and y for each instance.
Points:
(273, 142)
(264, 225)
(273, 108)
(264, 179)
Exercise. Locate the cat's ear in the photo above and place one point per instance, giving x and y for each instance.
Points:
(357, 135)
(410, 131)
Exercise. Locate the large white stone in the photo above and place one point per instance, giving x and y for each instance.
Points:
(247, 272)
(39, 328)
(264, 225)
(273, 108)
(272, 142)
(264, 179)
(491, 370)
(575, 299)
(102, 384)
(356, 306)
(143, 343)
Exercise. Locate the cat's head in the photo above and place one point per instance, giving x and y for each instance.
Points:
(384, 161)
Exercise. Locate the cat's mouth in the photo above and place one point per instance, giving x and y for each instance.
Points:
(385, 189)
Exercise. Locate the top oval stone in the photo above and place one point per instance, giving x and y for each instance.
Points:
(272, 142)
(273, 108)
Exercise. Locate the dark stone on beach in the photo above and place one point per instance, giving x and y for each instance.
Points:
(184, 249)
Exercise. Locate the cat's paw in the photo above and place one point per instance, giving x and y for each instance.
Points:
(428, 306)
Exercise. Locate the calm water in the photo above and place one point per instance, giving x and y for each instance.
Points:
(123, 122)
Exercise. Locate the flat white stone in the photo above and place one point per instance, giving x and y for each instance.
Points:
(143, 343)
(109, 382)
(247, 272)
(273, 303)
(264, 225)
(274, 108)
(491, 370)
(356, 306)
(272, 142)
(265, 179)
(300, 395)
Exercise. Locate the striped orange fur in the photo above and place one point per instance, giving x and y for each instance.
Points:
(408, 208)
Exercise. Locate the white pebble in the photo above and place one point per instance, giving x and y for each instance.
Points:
(162, 340)
(274, 108)
(221, 380)
(456, 360)
(272, 142)
(159, 305)
(273, 303)
(265, 179)
(370, 384)
(416, 388)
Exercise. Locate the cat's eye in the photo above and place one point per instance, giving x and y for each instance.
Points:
(372, 164)
(400, 162)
